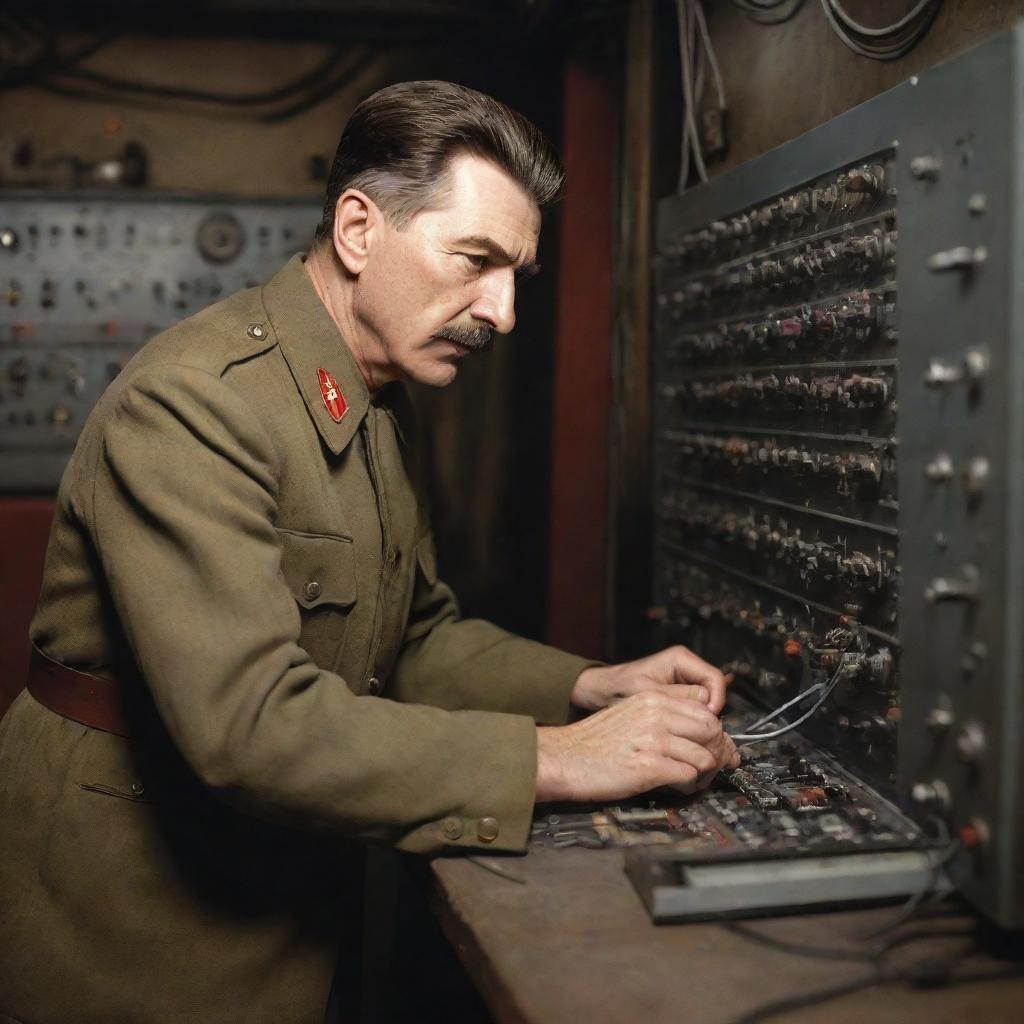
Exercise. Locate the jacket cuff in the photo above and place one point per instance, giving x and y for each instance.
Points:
(499, 817)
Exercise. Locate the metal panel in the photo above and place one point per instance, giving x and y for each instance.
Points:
(951, 144)
(86, 279)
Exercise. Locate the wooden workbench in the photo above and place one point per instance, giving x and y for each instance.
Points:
(569, 940)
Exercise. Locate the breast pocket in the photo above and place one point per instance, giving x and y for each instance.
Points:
(321, 574)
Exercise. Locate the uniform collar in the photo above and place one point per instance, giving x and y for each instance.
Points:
(310, 341)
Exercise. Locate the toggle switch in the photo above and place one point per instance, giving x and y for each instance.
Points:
(965, 588)
(960, 257)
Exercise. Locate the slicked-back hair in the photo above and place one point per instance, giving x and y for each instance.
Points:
(398, 143)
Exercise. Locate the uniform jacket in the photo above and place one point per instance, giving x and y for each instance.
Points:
(261, 578)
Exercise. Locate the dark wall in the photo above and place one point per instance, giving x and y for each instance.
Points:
(489, 433)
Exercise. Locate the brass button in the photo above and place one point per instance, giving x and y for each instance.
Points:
(452, 828)
(373, 684)
(487, 830)
(138, 789)
(311, 590)
(256, 331)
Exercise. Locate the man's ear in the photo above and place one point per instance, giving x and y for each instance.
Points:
(357, 222)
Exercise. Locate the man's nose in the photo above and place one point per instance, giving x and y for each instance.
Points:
(496, 301)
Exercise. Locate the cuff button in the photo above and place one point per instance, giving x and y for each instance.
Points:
(487, 830)
(452, 828)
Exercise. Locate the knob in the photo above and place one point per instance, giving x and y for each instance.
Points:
(220, 238)
(925, 167)
(939, 720)
(8, 239)
(940, 468)
(944, 588)
(932, 796)
(941, 375)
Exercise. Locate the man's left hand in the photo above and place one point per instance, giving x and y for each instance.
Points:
(599, 686)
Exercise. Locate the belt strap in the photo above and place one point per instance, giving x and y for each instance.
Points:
(87, 699)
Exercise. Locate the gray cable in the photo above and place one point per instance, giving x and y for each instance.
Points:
(888, 30)
(743, 739)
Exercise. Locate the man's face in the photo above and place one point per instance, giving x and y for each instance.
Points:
(435, 291)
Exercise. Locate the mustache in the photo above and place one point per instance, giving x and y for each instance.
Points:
(478, 339)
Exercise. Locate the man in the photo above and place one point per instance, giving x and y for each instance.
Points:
(245, 660)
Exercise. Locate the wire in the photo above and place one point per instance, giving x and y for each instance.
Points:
(702, 25)
(54, 63)
(312, 77)
(348, 74)
(798, 699)
(925, 975)
(888, 30)
(779, 19)
(743, 739)
(816, 952)
(687, 37)
(916, 23)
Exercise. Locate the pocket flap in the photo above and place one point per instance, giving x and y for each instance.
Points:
(319, 570)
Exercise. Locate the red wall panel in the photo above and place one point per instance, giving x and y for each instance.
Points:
(24, 531)
(582, 390)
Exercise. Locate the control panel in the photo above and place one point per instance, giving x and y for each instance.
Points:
(838, 424)
(85, 280)
(777, 450)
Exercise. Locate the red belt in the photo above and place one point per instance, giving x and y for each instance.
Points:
(87, 699)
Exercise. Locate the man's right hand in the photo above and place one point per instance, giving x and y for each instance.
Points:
(654, 738)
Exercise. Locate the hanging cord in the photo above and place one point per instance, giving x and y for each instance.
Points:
(889, 42)
(695, 51)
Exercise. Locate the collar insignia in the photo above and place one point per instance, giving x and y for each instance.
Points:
(333, 398)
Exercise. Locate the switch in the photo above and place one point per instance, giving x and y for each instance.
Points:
(925, 168)
(970, 744)
(965, 588)
(976, 476)
(8, 239)
(939, 469)
(942, 375)
(939, 720)
(960, 257)
(933, 797)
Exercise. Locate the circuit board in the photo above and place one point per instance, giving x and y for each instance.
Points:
(786, 798)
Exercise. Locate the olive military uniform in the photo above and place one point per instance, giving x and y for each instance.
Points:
(259, 576)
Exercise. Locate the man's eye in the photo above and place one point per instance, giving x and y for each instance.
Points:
(475, 261)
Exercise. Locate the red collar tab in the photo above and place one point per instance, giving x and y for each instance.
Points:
(332, 396)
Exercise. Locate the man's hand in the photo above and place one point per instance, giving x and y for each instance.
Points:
(676, 667)
(656, 738)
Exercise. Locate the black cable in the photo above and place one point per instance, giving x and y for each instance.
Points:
(312, 77)
(312, 99)
(796, 948)
(926, 975)
(53, 62)
(914, 903)
(356, 67)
